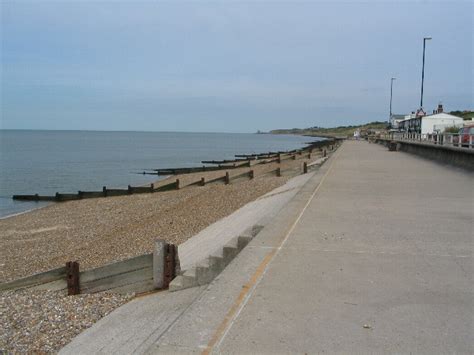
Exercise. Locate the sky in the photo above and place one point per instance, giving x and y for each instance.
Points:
(228, 66)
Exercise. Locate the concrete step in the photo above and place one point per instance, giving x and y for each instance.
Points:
(208, 269)
(216, 261)
(182, 282)
(191, 273)
(243, 241)
(229, 253)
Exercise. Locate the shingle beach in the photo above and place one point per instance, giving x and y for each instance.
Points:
(100, 231)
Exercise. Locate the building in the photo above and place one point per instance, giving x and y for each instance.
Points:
(435, 123)
(395, 120)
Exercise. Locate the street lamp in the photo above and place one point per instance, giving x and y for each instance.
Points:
(391, 94)
(423, 70)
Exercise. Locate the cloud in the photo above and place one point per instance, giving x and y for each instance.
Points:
(245, 65)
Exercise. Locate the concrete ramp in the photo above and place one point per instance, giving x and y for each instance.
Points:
(213, 238)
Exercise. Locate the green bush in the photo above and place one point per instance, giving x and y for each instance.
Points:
(452, 129)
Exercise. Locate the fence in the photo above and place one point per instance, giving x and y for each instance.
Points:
(441, 150)
(446, 139)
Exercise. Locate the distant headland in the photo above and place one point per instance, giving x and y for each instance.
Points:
(332, 132)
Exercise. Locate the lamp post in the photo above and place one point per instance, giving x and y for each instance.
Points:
(391, 94)
(423, 70)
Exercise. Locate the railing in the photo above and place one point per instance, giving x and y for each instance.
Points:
(445, 139)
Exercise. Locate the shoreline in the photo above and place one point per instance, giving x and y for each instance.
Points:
(23, 212)
(102, 230)
(154, 180)
(97, 162)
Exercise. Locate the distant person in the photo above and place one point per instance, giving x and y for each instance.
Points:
(356, 135)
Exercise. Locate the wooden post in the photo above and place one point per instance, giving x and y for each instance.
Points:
(309, 155)
(129, 190)
(177, 184)
(278, 172)
(251, 174)
(203, 181)
(57, 196)
(104, 191)
(324, 153)
(72, 278)
(170, 265)
(305, 167)
(227, 178)
(152, 187)
(279, 158)
(80, 194)
(159, 255)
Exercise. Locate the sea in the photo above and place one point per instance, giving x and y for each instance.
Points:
(46, 162)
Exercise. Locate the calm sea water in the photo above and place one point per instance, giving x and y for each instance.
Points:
(47, 162)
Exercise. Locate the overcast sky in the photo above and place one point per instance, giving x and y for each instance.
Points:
(228, 66)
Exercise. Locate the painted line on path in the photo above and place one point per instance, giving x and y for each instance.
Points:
(250, 286)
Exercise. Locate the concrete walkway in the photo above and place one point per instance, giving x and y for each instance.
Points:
(381, 261)
(373, 254)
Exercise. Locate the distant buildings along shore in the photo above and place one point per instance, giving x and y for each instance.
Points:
(437, 122)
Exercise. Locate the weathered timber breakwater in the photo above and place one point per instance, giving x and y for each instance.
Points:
(98, 231)
(101, 230)
(46, 162)
(242, 160)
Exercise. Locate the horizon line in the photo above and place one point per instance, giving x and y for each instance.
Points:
(103, 130)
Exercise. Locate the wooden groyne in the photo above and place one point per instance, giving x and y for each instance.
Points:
(34, 197)
(243, 160)
(179, 171)
(60, 197)
(138, 274)
(220, 162)
(257, 156)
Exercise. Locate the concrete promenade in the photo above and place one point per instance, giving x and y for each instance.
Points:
(373, 255)
(381, 261)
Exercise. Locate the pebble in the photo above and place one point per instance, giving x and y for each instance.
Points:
(100, 231)
(45, 321)
(93, 233)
